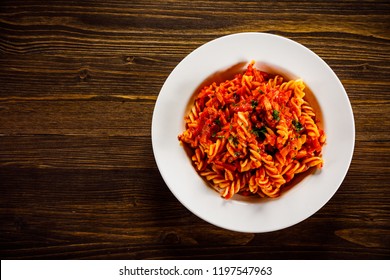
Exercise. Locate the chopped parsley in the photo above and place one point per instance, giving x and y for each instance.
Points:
(254, 104)
(233, 139)
(260, 91)
(275, 115)
(217, 122)
(259, 132)
(298, 126)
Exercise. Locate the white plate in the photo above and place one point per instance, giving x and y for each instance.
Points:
(271, 52)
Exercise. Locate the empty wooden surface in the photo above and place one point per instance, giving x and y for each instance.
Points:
(78, 84)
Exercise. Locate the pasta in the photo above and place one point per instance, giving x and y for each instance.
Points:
(251, 135)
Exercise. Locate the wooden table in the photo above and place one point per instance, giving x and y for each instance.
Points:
(78, 84)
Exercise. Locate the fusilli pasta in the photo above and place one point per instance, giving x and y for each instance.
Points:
(253, 134)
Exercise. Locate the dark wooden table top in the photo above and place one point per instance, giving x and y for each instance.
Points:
(78, 85)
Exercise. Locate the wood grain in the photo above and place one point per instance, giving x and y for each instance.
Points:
(79, 81)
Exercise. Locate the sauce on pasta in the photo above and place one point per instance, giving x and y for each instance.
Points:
(252, 134)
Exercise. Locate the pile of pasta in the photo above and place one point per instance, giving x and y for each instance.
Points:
(251, 135)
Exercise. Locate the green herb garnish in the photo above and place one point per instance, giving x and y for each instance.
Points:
(254, 104)
(259, 132)
(298, 126)
(275, 115)
(233, 139)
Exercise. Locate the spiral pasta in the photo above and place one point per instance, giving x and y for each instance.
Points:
(251, 135)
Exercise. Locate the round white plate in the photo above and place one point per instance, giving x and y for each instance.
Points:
(271, 53)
